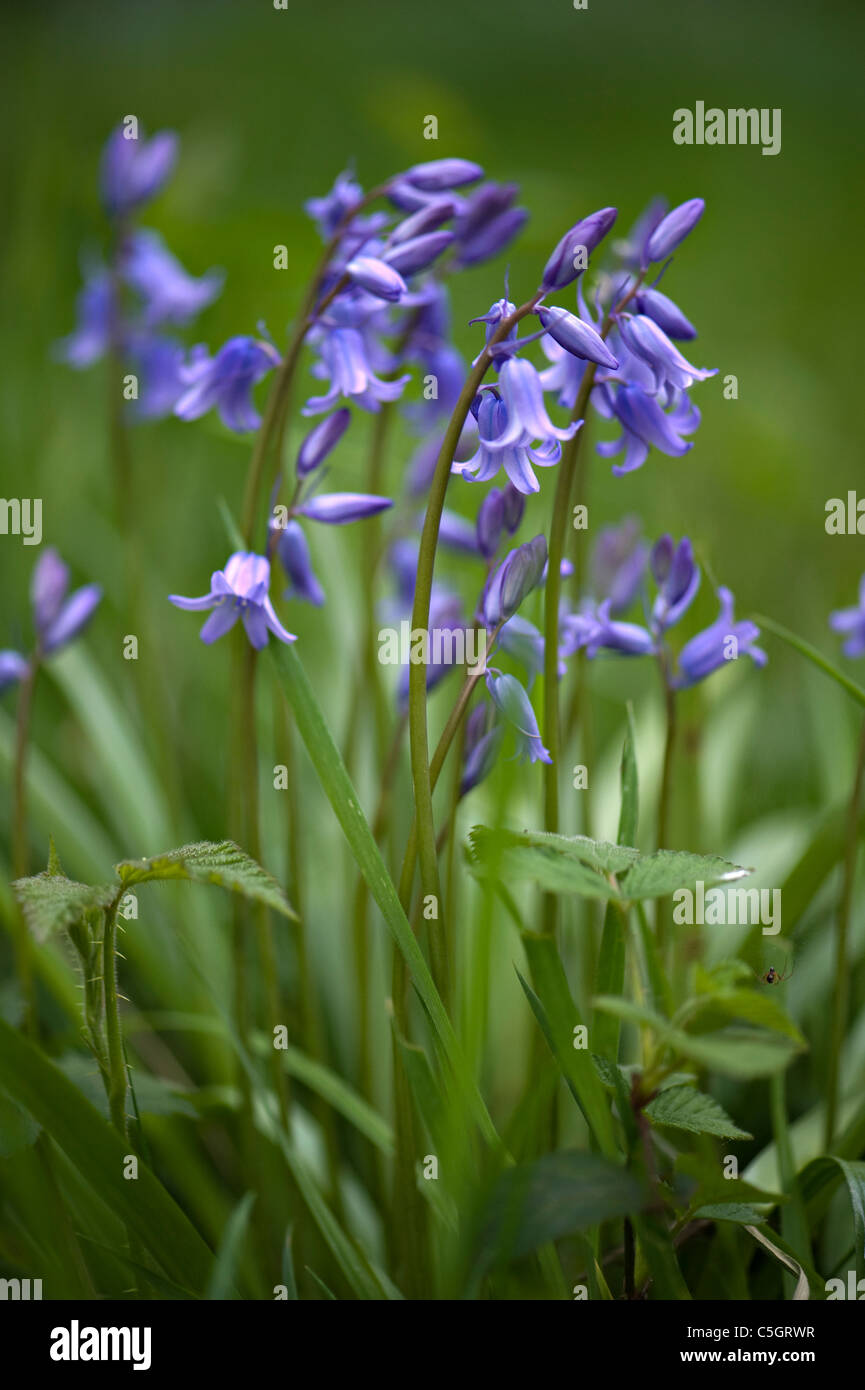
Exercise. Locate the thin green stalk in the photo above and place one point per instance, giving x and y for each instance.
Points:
(113, 1038)
(842, 970)
(20, 839)
(418, 732)
(665, 796)
(567, 471)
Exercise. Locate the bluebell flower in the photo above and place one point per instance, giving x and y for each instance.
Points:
(160, 364)
(377, 278)
(586, 234)
(437, 175)
(427, 218)
(225, 383)
(522, 640)
(292, 550)
(618, 564)
(724, 641)
(677, 576)
(526, 416)
(671, 369)
(487, 223)
(339, 508)
(604, 631)
(577, 337)
(134, 170)
(490, 522)
(483, 739)
(409, 257)
(331, 210)
(514, 429)
(851, 622)
(170, 294)
(645, 424)
(514, 508)
(238, 591)
(13, 669)
(519, 573)
(511, 700)
(674, 228)
(666, 314)
(345, 362)
(94, 309)
(59, 616)
(321, 441)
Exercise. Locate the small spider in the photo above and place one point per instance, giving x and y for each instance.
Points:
(775, 977)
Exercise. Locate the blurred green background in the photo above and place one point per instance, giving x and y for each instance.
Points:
(577, 107)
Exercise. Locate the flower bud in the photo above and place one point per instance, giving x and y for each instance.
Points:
(321, 440)
(438, 174)
(578, 338)
(377, 277)
(674, 228)
(586, 235)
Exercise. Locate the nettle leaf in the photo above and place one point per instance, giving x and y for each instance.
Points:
(662, 873)
(730, 1211)
(553, 1197)
(712, 1011)
(224, 864)
(743, 1053)
(555, 862)
(50, 901)
(684, 1107)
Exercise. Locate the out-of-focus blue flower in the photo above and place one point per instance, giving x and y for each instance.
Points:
(522, 640)
(377, 278)
(618, 564)
(613, 635)
(292, 550)
(238, 591)
(631, 249)
(511, 700)
(169, 293)
(490, 522)
(331, 210)
(134, 170)
(427, 218)
(339, 508)
(92, 336)
(514, 508)
(677, 576)
(13, 668)
(408, 257)
(58, 619)
(438, 175)
(851, 622)
(586, 235)
(225, 382)
(483, 740)
(321, 441)
(724, 641)
(674, 228)
(487, 222)
(344, 361)
(455, 533)
(160, 364)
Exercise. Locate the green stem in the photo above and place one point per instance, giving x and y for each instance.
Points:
(20, 840)
(842, 988)
(114, 1041)
(567, 471)
(665, 797)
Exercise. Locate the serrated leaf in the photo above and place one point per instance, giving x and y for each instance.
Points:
(555, 863)
(743, 1053)
(662, 873)
(224, 864)
(50, 902)
(684, 1107)
(760, 1009)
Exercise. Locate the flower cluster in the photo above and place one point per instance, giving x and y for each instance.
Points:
(58, 616)
(621, 565)
(128, 306)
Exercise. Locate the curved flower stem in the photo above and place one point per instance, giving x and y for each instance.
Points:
(418, 734)
(841, 990)
(567, 472)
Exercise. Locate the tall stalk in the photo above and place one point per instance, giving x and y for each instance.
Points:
(841, 990)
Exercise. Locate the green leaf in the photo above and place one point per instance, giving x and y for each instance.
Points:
(822, 1176)
(338, 788)
(684, 1107)
(18, 1130)
(337, 1092)
(220, 1286)
(743, 1053)
(757, 1008)
(51, 902)
(816, 658)
(98, 1152)
(729, 1211)
(555, 863)
(630, 807)
(610, 976)
(553, 1197)
(224, 864)
(662, 873)
(557, 1015)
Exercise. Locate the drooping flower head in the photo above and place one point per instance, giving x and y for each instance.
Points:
(58, 616)
(238, 591)
(851, 623)
(135, 169)
(225, 382)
